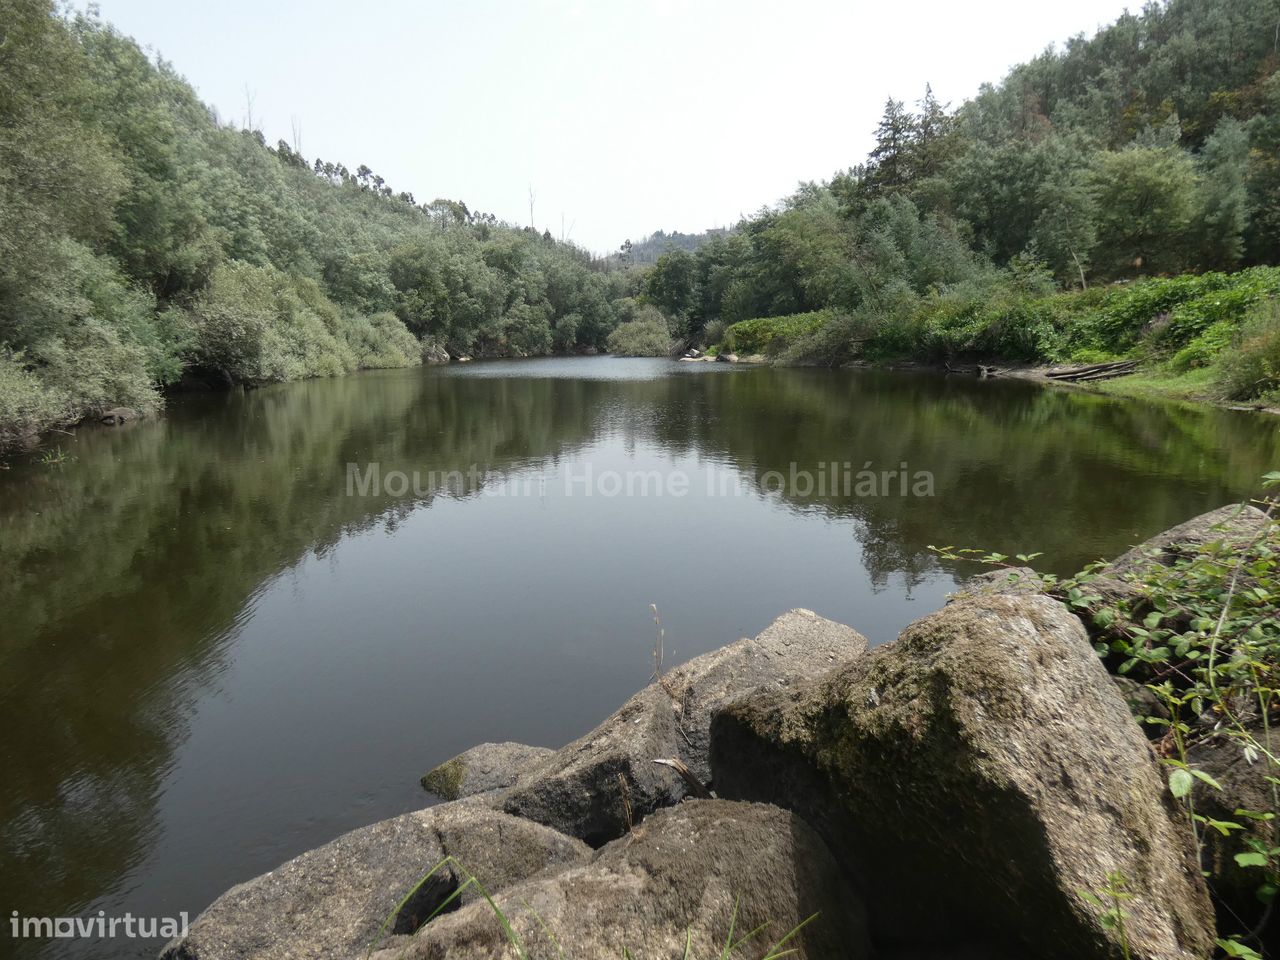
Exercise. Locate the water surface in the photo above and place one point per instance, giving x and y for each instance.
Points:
(212, 657)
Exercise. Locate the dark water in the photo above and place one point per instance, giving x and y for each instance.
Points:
(212, 657)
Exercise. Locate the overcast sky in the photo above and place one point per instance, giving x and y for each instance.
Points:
(624, 118)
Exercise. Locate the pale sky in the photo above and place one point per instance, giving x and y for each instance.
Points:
(624, 118)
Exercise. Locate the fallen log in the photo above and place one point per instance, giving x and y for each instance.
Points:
(1093, 371)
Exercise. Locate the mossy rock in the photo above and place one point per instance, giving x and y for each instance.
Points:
(980, 776)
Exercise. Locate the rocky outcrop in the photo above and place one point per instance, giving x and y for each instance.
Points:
(1120, 593)
(598, 786)
(963, 792)
(119, 415)
(978, 776)
(1009, 580)
(330, 902)
(1231, 524)
(483, 768)
(694, 875)
(434, 352)
(1114, 583)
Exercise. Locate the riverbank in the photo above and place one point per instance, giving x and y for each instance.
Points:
(980, 786)
(1193, 386)
(1211, 337)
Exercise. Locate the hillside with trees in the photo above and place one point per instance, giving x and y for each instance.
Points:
(646, 251)
(1151, 150)
(143, 240)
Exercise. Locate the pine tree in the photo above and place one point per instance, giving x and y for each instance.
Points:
(888, 167)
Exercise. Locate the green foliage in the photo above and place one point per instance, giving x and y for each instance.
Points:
(645, 335)
(1250, 367)
(259, 325)
(1109, 900)
(772, 335)
(1150, 149)
(1187, 319)
(139, 235)
(27, 404)
(1145, 201)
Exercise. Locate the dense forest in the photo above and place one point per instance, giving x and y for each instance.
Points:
(1149, 150)
(1107, 198)
(143, 240)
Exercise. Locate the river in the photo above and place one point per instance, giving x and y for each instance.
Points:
(233, 632)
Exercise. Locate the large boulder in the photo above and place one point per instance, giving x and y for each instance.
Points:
(1011, 580)
(434, 352)
(694, 875)
(980, 776)
(1118, 586)
(331, 901)
(597, 787)
(486, 767)
(1234, 523)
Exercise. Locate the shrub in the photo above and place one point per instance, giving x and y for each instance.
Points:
(833, 343)
(772, 335)
(1250, 367)
(713, 333)
(646, 336)
(27, 404)
(380, 341)
(258, 325)
(89, 341)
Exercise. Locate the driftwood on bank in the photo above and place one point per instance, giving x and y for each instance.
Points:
(1079, 374)
(1093, 371)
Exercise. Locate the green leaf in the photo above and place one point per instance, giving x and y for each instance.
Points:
(1180, 783)
(1251, 859)
(1205, 778)
(1233, 948)
(1224, 827)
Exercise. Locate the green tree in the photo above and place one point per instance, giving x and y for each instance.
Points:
(645, 335)
(888, 166)
(671, 284)
(1146, 198)
(1223, 211)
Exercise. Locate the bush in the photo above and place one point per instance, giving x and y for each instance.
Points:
(89, 341)
(258, 325)
(645, 336)
(772, 335)
(1250, 367)
(27, 404)
(380, 341)
(1188, 318)
(713, 333)
(835, 342)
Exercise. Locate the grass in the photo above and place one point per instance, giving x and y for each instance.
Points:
(55, 457)
(1161, 383)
